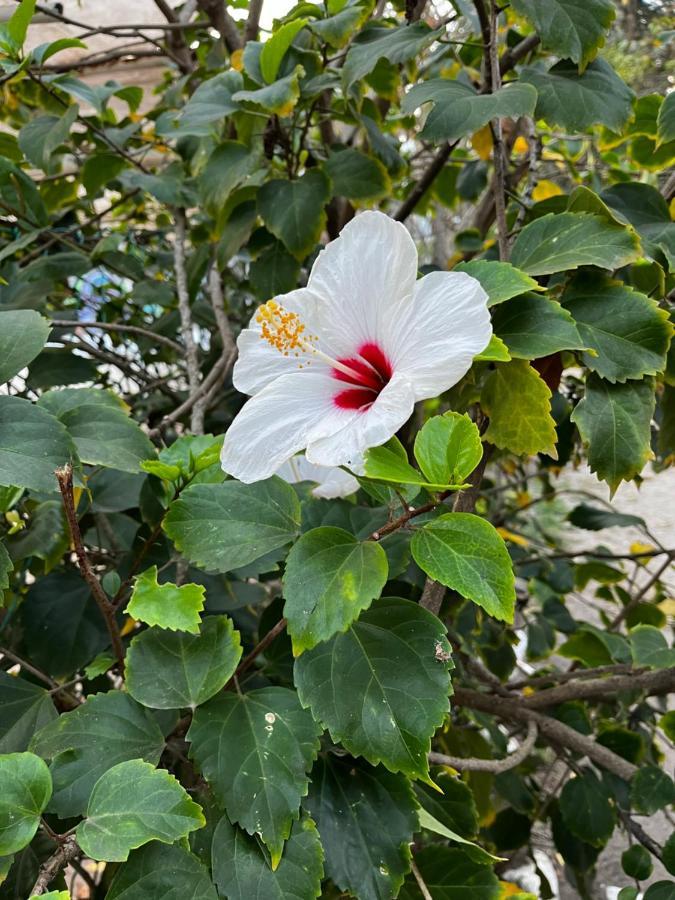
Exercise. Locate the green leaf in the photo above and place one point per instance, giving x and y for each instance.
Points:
(6, 567)
(394, 688)
(396, 45)
(24, 708)
(294, 210)
(666, 120)
(651, 789)
(614, 422)
(52, 895)
(576, 102)
(278, 98)
(636, 862)
(459, 110)
(225, 526)
(336, 30)
(17, 25)
(650, 648)
(496, 351)
(101, 430)
(376, 810)
(628, 331)
(40, 54)
(532, 326)
(357, 176)
(448, 448)
(518, 402)
(134, 803)
(228, 167)
(41, 136)
(500, 280)
(426, 820)
(330, 578)
(594, 518)
(467, 554)
(450, 873)
(586, 809)
(85, 743)
(23, 333)
(275, 48)
(255, 750)
(211, 102)
(25, 789)
(274, 272)
(32, 444)
(99, 170)
(166, 605)
(669, 854)
(568, 28)
(647, 211)
(242, 871)
(558, 242)
(659, 890)
(390, 463)
(173, 671)
(455, 808)
(158, 870)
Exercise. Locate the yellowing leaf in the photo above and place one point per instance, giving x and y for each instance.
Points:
(545, 189)
(482, 142)
(128, 626)
(667, 606)
(647, 549)
(521, 145)
(237, 60)
(513, 537)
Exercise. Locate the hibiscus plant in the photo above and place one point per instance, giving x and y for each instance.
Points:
(322, 360)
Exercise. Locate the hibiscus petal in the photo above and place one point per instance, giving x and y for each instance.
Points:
(366, 277)
(331, 481)
(277, 422)
(259, 363)
(361, 430)
(447, 325)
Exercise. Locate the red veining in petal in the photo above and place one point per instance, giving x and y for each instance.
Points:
(371, 372)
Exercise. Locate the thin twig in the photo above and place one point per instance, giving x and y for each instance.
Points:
(496, 766)
(64, 476)
(192, 358)
(253, 21)
(634, 601)
(424, 890)
(51, 868)
(655, 683)
(123, 329)
(17, 660)
(498, 157)
(259, 648)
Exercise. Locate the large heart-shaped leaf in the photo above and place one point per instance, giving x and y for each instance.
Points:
(294, 210)
(158, 870)
(23, 333)
(25, 789)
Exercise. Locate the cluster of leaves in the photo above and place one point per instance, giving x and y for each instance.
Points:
(237, 691)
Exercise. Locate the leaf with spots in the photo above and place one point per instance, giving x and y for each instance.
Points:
(330, 577)
(255, 750)
(382, 687)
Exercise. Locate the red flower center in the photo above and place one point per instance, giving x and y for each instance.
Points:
(371, 372)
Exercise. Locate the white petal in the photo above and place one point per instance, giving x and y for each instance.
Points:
(447, 325)
(365, 277)
(330, 481)
(361, 430)
(277, 422)
(258, 362)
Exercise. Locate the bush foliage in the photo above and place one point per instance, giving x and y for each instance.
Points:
(244, 691)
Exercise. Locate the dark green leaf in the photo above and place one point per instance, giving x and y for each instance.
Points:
(451, 874)
(651, 789)
(569, 28)
(585, 805)
(274, 272)
(465, 552)
(574, 101)
(42, 135)
(500, 280)
(594, 518)
(397, 45)
(636, 862)
(392, 665)
(85, 743)
(556, 243)
(210, 104)
(627, 330)
(227, 526)
(255, 750)
(614, 422)
(24, 708)
(666, 120)
(278, 98)
(228, 166)
(158, 870)
(242, 871)
(532, 326)
(32, 444)
(134, 803)
(294, 210)
(173, 671)
(366, 819)
(357, 176)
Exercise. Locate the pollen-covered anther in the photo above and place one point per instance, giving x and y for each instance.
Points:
(281, 328)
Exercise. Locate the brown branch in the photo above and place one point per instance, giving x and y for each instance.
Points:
(29, 667)
(123, 329)
(64, 476)
(498, 156)
(634, 601)
(223, 22)
(429, 176)
(598, 554)
(512, 57)
(661, 681)
(218, 305)
(51, 867)
(551, 730)
(253, 20)
(496, 766)
(259, 648)
(571, 675)
(192, 358)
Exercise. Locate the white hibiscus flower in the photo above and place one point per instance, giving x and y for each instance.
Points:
(337, 367)
(330, 481)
